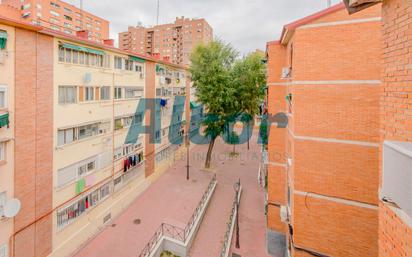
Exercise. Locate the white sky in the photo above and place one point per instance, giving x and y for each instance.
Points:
(246, 24)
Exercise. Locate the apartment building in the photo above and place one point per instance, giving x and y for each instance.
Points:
(173, 41)
(7, 49)
(395, 211)
(323, 178)
(71, 156)
(57, 15)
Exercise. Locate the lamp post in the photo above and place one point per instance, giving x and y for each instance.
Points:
(187, 155)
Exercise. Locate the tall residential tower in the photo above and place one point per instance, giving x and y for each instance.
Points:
(172, 41)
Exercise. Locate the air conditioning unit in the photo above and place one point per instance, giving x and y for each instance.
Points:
(286, 72)
(283, 214)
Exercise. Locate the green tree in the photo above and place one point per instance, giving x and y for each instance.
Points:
(249, 78)
(211, 72)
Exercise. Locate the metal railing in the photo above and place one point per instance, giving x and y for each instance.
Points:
(228, 235)
(176, 233)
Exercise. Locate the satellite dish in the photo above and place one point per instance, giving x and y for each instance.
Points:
(12, 208)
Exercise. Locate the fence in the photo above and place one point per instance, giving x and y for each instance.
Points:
(176, 233)
(228, 235)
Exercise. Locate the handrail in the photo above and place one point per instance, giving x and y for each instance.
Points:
(228, 236)
(174, 232)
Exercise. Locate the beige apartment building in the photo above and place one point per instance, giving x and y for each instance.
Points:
(173, 42)
(57, 15)
(65, 156)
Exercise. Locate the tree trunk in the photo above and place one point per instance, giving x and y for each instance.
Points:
(209, 153)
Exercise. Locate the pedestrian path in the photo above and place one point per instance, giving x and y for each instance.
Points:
(209, 239)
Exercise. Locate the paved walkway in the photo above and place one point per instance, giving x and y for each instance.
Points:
(172, 199)
(209, 239)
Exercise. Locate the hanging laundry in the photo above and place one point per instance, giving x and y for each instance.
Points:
(87, 203)
(90, 180)
(130, 162)
(163, 102)
(80, 186)
(125, 165)
(134, 160)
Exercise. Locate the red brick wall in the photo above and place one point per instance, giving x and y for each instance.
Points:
(338, 170)
(34, 142)
(395, 237)
(346, 112)
(277, 175)
(324, 111)
(333, 228)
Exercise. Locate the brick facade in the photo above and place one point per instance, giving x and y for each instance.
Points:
(395, 236)
(34, 142)
(333, 134)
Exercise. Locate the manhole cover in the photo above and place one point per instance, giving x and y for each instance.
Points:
(235, 255)
(194, 180)
(113, 225)
(137, 221)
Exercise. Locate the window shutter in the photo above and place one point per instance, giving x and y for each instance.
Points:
(97, 89)
(66, 175)
(105, 159)
(81, 94)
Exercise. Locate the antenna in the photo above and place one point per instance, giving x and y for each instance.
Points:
(158, 11)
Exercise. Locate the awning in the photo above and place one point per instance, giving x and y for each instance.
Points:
(3, 39)
(4, 120)
(83, 49)
(136, 59)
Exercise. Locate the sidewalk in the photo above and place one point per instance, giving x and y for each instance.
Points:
(209, 239)
(171, 199)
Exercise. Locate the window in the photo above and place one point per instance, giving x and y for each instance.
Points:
(4, 251)
(53, 20)
(68, 214)
(118, 62)
(54, 13)
(86, 168)
(67, 94)
(131, 92)
(54, 4)
(3, 199)
(88, 131)
(89, 93)
(68, 55)
(105, 93)
(66, 136)
(2, 151)
(67, 9)
(3, 97)
(117, 93)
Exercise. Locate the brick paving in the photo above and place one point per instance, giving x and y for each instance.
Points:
(172, 199)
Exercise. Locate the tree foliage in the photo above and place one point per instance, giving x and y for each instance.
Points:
(228, 88)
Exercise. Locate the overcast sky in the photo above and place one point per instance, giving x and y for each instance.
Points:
(247, 24)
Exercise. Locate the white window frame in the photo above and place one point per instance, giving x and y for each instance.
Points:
(3, 148)
(3, 199)
(4, 250)
(3, 88)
